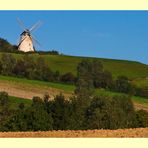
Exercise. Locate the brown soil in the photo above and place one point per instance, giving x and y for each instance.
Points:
(139, 106)
(139, 132)
(27, 91)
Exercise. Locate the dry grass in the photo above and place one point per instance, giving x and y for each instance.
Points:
(126, 133)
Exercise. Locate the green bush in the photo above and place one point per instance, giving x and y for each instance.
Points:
(4, 100)
(142, 118)
(110, 113)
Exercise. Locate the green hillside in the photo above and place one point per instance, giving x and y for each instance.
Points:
(141, 82)
(64, 64)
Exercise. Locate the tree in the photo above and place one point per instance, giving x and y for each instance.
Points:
(59, 111)
(28, 66)
(5, 111)
(122, 84)
(42, 71)
(5, 46)
(4, 100)
(20, 68)
(84, 84)
(7, 63)
(97, 70)
(33, 118)
(68, 78)
(110, 113)
(142, 118)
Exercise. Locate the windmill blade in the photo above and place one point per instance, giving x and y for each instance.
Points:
(18, 41)
(21, 24)
(35, 26)
(36, 41)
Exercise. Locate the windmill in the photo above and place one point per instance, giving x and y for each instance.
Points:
(27, 40)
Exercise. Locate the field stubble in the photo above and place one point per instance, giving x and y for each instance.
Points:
(126, 133)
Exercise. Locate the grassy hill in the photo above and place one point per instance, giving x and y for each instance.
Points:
(64, 64)
(141, 82)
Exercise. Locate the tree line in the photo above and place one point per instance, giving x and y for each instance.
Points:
(27, 67)
(76, 113)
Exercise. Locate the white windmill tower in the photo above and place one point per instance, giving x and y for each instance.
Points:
(26, 38)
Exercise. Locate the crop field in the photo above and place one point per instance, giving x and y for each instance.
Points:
(64, 64)
(126, 133)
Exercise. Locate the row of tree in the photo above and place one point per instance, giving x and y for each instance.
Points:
(102, 112)
(29, 68)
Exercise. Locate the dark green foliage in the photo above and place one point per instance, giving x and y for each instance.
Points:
(84, 84)
(142, 118)
(4, 99)
(32, 69)
(110, 113)
(20, 68)
(74, 114)
(5, 46)
(77, 111)
(7, 64)
(33, 118)
(122, 84)
(68, 78)
(92, 74)
(52, 52)
(60, 113)
(41, 71)
(5, 111)
(143, 92)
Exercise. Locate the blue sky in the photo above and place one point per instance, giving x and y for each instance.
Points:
(106, 34)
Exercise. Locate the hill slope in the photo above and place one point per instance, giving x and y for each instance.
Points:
(65, 64)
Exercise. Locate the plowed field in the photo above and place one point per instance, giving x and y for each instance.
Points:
(139, 132)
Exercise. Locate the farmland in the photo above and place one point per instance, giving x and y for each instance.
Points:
(126, 133)
(19, 86)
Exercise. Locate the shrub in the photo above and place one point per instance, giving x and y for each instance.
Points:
(59, 112)
(122, 84)
(143, 92)
(4, 100)
(110, 113)
(68, 78)
(142, 118)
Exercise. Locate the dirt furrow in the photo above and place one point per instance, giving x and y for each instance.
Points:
(139, 132)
